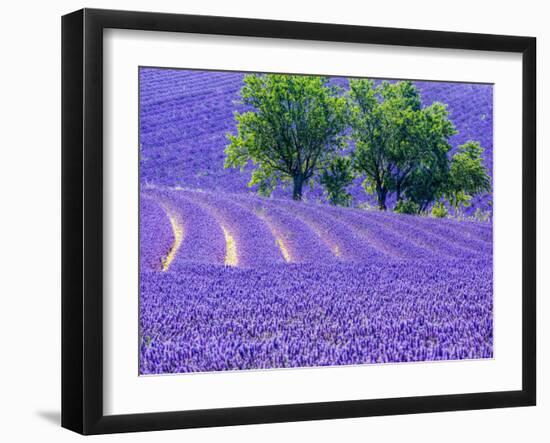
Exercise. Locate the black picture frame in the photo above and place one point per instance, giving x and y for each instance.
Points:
(82, 215)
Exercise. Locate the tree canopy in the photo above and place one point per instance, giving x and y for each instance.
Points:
(335, 178)
(467, 175)
(294, 127)
(298, 128)
(400, 147)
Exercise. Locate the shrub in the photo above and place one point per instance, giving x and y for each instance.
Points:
(439, 210)
(407, 207)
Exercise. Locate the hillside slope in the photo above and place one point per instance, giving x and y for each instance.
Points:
(185, 116)
(243, 282)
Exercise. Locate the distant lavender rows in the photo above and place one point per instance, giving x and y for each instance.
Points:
(185, 115)
(276, 231)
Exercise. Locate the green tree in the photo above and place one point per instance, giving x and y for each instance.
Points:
(335, 178)
(368, 127)
(292, 131)
(402, 124)
(400, 147)
(467, 175)
(427, 183)
(421, 159)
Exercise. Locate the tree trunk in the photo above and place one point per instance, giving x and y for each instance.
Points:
(398, 192)
(298, 185)
(381, 193)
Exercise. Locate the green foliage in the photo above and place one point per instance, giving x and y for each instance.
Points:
(400, 147)
(467, 175)
(439, 210)
(428, 172)
(293, 131)
(296, 131)
(368, 127)
(459, 199)
(336, 176)
(407, 207)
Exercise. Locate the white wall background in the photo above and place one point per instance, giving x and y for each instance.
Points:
(30, 220)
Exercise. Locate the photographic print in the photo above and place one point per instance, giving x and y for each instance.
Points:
(294, 221)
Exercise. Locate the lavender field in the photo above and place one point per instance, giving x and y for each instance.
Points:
(185, 115)
(230, 280)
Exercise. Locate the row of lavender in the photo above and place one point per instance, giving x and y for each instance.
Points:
(308, 285)
(216, 318)
(269, 231)
(185, 116)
